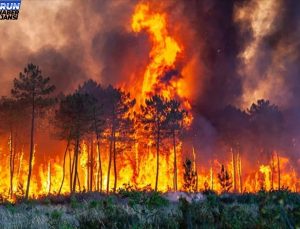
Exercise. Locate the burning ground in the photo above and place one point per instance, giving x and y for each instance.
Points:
(232, 67)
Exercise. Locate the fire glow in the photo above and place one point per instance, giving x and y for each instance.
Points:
(137, 168)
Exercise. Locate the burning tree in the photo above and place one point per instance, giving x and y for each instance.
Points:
(267, 125)
(32, 89)
(225, 179)
(233, 124)
(73, 119)
(12, 119)
(98, 123)
(175, 125)
(117, 106)
(153, 117)
(189, 176)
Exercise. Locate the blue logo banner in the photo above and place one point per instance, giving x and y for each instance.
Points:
(9, 9)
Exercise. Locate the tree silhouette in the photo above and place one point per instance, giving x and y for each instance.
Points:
(73, 120)
(12, 120)
(98, 124)
(189, 176)
(224, 179)
(175, 125)
(117, 105)
(32, 89)
(153, 118)
(267, 126)
(233, 126)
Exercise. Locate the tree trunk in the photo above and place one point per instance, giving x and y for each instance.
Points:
(20, 165)
(195, 170)
(64, 166)
(11, 163)
(99, 172)
(175, 162)
(115, 163)
(272, 171)
(110, 147)
(92, 166)
(78, 180)
(212, 177)
(14, 154)
(240, 172)
(278, 168)
(88, 166)
(233, 169)
(109, 165)
(49, 177)
(157, 158)
(31, 147)
(76, 166)
(71, 169)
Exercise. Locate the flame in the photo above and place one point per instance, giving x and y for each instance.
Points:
(137, 168)
(49, 175)
(161, 75)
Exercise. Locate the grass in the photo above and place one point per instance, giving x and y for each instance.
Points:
(141, 209)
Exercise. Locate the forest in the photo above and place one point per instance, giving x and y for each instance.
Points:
(104, 130)
(100, 124)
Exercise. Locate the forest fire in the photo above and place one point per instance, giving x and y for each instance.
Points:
(163, 54)
(108, 139)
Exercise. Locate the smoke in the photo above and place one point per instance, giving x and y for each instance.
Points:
(269, 59)
(215, 46)
(71, 41)
(237, 51)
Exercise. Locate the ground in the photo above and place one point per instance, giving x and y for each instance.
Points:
(137, 209)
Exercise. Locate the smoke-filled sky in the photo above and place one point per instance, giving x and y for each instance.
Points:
(235, 51)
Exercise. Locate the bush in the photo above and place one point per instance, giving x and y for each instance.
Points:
(141, 209)
(239, 216)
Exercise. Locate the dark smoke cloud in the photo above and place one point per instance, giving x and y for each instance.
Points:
(124, 55)
(59, 36)
(216, 43)
(64, 68)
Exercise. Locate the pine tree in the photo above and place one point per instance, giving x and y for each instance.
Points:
(175, 125)
(153, 118)
(224, 180)
(33, 89)
(73, 120)
(189, 177)
(98, 124)
(12, 119)
(117, 106)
